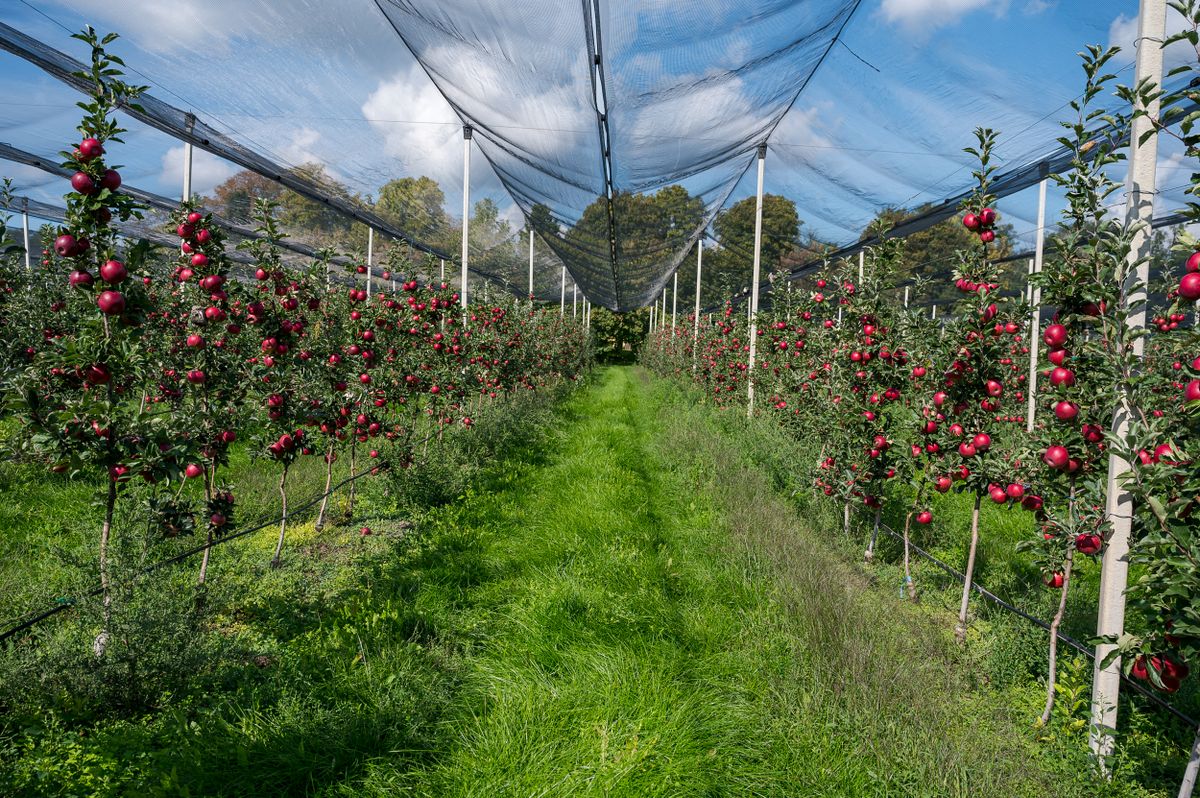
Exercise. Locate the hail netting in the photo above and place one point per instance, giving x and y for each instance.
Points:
(620, 128)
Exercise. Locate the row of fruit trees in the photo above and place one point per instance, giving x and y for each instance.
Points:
(140, 370)
(900, 399)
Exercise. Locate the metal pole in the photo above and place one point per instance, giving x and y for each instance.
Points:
(562, 298)
(674, 302)
(574, 299)
(370, 256)
(1035, 299)
(531, 266)
(25, 231)
(466, 207)
(758, 213)
(1114, 570)
(187, 171)
(696, 321)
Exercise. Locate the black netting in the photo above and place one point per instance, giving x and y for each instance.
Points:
(620, 132)
(619, 129)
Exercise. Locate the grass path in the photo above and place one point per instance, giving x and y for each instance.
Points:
(648, 620)
(624, 605)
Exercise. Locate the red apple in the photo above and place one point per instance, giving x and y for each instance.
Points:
(65, 245)
(192, 471)
(1088, 543)
(113, 271)
(1055, 336)
(1189, 286)
(80, 279)
(111, 303)
(1062, 377)
(1056, 457)
(1065, 411)
(111, 180)
(82, 183)
(924, 517)
(89, 149)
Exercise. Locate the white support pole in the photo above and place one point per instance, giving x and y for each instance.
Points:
(906, 296)
(443, 277)
(187, 171)
(839, 321)
(674, 302)
(562, 297)
(574, 299)
(1114, 570)
(25, 232)
(861, 265)
(370, 256)
(466, 208)
(758, 214)
(531, 266)
(696, 320)
(653, 307)
(933, 312)
(1035, 299)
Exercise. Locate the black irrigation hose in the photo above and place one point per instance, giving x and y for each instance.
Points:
(1072, 642)
(70, 602)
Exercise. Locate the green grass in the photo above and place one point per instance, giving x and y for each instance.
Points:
(624, 604)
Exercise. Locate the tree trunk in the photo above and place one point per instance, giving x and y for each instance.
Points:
(908, 580)
(210, 481)
(353, 459)
(960, 631)
(283, 519)
(1057, 622)
(328, 483)
(101, 642)
(870, 552)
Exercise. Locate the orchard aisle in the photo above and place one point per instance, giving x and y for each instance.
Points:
(646, 619)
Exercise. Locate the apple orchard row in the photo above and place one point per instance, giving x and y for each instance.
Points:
(144, 368)
(888, 397)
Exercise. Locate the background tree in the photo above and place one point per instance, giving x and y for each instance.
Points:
(731, 266)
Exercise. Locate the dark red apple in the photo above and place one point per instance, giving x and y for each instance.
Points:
(111, 303)
(89, 149)
(82, 183)
(113, 272)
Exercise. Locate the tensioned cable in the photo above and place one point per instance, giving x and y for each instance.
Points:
(165, 117)
(1070, 641)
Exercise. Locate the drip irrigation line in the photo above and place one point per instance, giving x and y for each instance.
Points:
(1083, 648)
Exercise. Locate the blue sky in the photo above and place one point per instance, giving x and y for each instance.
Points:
(307, 80)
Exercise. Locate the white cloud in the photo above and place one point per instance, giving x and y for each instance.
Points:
(418, 126)
(208, 171)
(299, 148)
(1123, 31)
(161, 27)
(923, 16)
